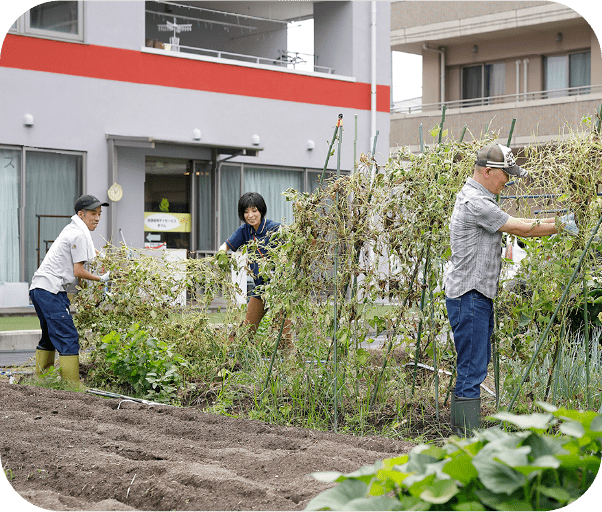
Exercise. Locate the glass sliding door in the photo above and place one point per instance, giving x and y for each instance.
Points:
(271, 183)
(229, 194)
(53, 182)
(10, 176)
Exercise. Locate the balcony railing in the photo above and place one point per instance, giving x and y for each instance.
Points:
(498, 100)
(286, 59)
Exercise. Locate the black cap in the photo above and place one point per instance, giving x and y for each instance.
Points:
(88, 202)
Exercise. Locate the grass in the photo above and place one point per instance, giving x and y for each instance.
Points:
(19, 323)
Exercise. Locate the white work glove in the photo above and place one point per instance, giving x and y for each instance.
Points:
(105, 277)
(568, 224)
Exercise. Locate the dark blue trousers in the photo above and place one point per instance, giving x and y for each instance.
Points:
(58, 330)
(471, 320)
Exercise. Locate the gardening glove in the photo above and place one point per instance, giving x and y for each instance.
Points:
(222, 259)
(105, 277)
(568, 224)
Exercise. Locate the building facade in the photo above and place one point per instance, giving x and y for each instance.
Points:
(490, 62)
(172, 110)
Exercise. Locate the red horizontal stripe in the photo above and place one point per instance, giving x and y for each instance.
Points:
(121, 65)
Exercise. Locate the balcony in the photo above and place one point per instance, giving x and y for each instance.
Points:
(242, 33)
(514, 99)
(540, 116)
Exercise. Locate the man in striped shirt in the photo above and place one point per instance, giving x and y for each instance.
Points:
(476, 227)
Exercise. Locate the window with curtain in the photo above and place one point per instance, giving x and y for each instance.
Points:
(229, 176)
(271, 183)
(53, 183)
(580, 70)
(556, 75)
(472, 84)
(495, 79)
(565, 71)
(483, 81)
(205, 206)
(10, 172)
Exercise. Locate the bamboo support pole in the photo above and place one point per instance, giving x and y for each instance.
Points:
(421, 138)
(355, 146)
(336, 263)
(334, 136)
(434, 338)
(511, 130)
(586, 341)
(442, 121)
(560, 302)
(462, 134)
(422, 299)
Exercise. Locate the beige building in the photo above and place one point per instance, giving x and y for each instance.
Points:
(490, 62)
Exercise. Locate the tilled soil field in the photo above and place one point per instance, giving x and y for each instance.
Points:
(62, 450)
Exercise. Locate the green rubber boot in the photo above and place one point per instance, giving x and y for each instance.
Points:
(466, 415)
(44, 360)
(69, 366)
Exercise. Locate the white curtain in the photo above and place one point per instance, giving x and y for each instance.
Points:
(228, 204)
(557, 75)
(497, 79)
(53, 183)
(10, 170)
(271, 183)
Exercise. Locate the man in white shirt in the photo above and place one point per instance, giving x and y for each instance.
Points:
(63, 263)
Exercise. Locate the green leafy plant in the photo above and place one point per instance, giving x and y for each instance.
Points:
(532, 469)
(147, 364)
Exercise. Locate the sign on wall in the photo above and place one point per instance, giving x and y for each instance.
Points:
(160, 221)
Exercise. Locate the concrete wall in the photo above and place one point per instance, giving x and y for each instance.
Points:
(410, 14)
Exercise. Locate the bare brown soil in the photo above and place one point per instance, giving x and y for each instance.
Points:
(63, 450)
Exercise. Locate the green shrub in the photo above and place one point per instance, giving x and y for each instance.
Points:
(147, 364)
(532, 469)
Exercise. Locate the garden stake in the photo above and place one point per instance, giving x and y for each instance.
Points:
(355, 147)
(511, 130)
(586, 340)
(424, 286)
(549, 326)
(442, 119)
(373, 161)
(462, 134)
(421, 138)
(434, 354)
(599, 119)
(336, 265)
(334, 136)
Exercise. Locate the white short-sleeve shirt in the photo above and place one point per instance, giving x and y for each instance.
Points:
(56, 271)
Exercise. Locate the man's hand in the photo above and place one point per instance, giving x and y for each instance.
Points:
(105, 277)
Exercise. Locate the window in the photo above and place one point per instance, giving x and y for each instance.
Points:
(37, 190)
(565, 72)
(55, 20)
(483, 81)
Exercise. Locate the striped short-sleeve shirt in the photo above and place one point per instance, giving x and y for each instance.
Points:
(476, 258)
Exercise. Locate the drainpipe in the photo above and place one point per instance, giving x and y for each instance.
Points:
(525, 67)
(441, 52)
(518, 80)
(373, 81)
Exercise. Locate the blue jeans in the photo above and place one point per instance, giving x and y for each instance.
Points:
(471, 320)
(58, 330)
